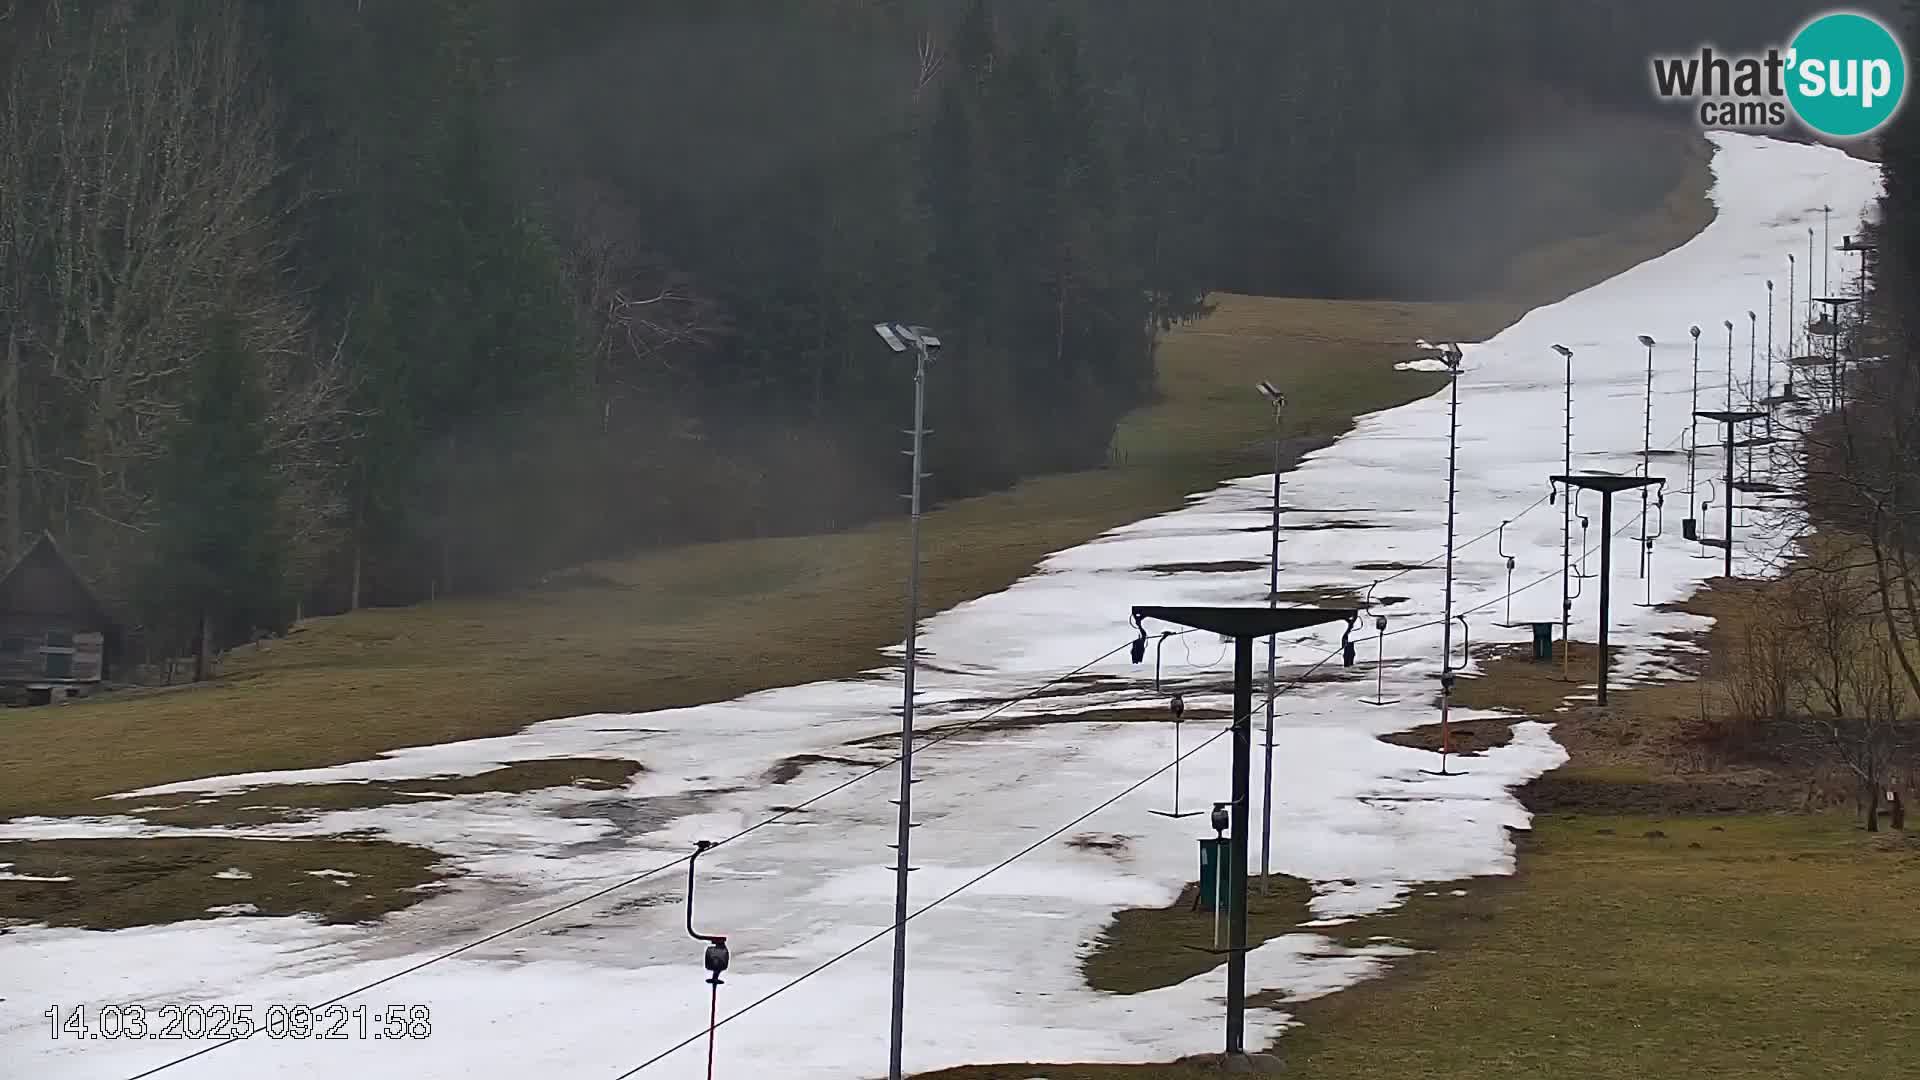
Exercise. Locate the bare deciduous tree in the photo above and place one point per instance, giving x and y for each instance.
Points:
(136, 171)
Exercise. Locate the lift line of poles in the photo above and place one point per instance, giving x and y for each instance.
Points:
(1245, 625)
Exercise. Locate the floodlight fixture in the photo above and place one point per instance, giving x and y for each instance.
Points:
(891, 335)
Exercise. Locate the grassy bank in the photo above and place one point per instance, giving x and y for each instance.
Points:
(1736, 947)
(1677, 911)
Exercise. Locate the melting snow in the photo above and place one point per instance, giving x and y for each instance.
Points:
(995, 972)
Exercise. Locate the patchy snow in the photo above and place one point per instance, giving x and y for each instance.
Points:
(233, 873)
(338, 877)
(233, 909)
(995, 971)
(6, 875)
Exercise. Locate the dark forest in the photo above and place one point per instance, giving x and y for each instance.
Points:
(314, 306)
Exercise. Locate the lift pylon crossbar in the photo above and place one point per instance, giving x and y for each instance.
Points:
(1244, 625)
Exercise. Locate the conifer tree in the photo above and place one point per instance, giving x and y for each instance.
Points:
(217, 559)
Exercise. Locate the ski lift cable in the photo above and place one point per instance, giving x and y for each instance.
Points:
(634, 879)
(965, 885)
(1581, 561)
(943, 735)
(1537, 503)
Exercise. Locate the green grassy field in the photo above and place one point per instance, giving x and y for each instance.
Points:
(1730, 947)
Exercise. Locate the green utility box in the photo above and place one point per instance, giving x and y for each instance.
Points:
(1543, 641)
(1214, 852)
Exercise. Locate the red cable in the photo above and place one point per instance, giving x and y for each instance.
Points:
(713, 1018)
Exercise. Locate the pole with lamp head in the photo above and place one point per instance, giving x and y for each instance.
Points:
(1566, 532)
(1646, 460)
(1753, 347)
(1691, 526)
(1451, 356)
(923, 342)
(1279, 402)
(1793, 293)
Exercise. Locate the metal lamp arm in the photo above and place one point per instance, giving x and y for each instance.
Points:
(699, 848)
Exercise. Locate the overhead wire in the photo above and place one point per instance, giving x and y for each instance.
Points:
(1103, 805)
(970, 882)
(941, 735)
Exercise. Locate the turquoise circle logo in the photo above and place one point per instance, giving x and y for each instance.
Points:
(1848, 74)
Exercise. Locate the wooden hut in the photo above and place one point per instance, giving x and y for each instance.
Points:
(54, 630)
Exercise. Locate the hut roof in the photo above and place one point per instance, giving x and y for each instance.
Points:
(46, 551)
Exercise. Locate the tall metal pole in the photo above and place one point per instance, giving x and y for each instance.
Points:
(1693, 438)
(1646, 460)
(1729, 501)
(1792, 295)
(1729, 325)
(1753, 347)
(1446, 638)
(1770, 302)
(1566, 536)
(1606, 583)
(1242, 761)
(898, 1030)
(1826, 254)
(1273, 599)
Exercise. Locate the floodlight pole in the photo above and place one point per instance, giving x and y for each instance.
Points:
(1279, 403)
(1566, 534)
(1646, 460)
(921, 341)
(1728, 323)
(1826, 240)
(1810, 283)
(1273, 599)
(1452, 360)
(1243, 625)
(1793, 293)
(1767, 398)
(1693, 437)
(1607, 485)
(1753, 345)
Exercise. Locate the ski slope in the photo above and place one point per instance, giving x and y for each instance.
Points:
(994, 971)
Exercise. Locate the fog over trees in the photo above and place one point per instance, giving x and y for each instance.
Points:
(324, 305)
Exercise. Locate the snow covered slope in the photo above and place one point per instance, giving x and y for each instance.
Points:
(995, 970)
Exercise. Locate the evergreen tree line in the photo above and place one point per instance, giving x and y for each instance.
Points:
(343, 304)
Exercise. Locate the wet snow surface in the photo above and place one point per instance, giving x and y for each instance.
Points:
(995, 970)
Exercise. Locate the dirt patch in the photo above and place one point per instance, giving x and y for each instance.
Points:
(786, 770)
(1230, 567)
(1334, 526)
(1391, 567)
(116, 884)
(1114, 844)
(1467, 738)
(1320, 597)
(1157, 714)
(300, 802)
